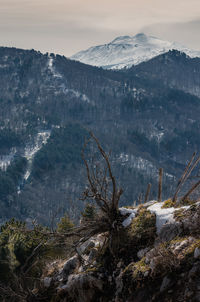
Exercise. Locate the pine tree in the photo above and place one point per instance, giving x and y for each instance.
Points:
(65, 224)
(89, 212)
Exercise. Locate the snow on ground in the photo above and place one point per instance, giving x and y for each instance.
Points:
(75, 93)
(31, 150)
(141, 164)
(132, 213)
(138, 163)
(156, 134)
(40, 139)
(163, 216)
(5, 160)
(64, 89)
(52, 68)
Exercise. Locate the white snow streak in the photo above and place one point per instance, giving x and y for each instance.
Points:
(52, 68)
(31, 150)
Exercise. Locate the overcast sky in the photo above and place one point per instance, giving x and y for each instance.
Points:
(67, 26)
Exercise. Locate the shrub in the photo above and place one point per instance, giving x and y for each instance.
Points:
(65, 224)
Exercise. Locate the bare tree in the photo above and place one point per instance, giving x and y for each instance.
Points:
(103, 190)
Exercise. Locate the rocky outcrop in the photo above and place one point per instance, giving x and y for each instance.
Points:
(151, 264)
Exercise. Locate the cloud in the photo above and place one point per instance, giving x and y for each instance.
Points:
(186, 33)
(67, 26)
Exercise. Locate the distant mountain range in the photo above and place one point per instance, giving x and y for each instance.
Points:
(148, 115)
(126, 51)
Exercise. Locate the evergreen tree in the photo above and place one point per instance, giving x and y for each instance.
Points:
(89, 212)
(65, 224)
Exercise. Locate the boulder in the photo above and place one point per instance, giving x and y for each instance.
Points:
(70, 266)
(47, 281)
(83, 287)
(142, 253)
(170, 230)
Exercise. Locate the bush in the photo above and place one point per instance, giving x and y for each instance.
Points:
(89, 212)
(65, 224)
(17, 243)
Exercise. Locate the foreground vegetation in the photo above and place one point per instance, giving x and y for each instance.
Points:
(105, 258)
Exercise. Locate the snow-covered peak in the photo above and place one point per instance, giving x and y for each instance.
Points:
(121, 39)
(125, 51)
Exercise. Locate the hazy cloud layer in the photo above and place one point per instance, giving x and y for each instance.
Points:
(186, 33)
(67, 26)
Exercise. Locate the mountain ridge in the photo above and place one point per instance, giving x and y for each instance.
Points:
(126, 51)
(145, 123)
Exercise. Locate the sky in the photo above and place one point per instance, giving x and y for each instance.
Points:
(68, 26)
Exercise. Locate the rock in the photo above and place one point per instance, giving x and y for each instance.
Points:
(47, 281)
(180, 246)
(146, 273)
(119, 285)
(70, 266)
(170, 230)
(154, 261)
(92, 255)
(83, 287)
(85, 247)
(141, 253)
(149, 256)
(96, 241)
(80, 269)
(197, 253)
(191, 217)
(165, 284)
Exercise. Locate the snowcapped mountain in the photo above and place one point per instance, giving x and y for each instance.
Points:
(126, 51)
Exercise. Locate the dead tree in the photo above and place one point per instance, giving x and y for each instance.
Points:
(103, 190)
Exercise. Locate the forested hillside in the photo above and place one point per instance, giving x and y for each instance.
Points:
(48, 104)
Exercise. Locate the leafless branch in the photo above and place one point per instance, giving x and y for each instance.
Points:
(188, 170)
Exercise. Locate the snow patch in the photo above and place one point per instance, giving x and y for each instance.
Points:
(75, 93)
(3, 66)
(63, 87)
(52, 68)
(40, 139)
(163, 216)
(5, 160)
(138, 163)
(30, 151)
(132, 213)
